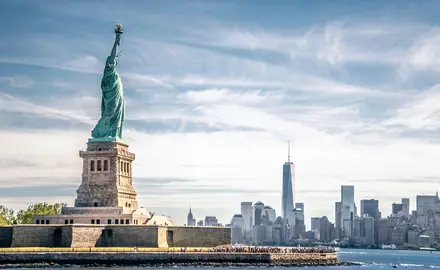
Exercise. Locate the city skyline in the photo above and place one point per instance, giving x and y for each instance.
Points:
(209, 110)
(364, 208)
(367, 228)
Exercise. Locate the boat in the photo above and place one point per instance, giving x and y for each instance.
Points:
(392, 246)
(427, 249)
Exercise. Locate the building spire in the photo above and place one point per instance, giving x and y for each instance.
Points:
(190, 208)
(288, 153)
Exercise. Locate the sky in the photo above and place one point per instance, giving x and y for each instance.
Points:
(214, 91)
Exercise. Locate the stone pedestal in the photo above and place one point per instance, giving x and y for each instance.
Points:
(107, 177)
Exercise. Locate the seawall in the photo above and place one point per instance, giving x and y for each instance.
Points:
(168, 258)
(105, 235)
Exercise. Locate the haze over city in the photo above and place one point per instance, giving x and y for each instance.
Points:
(214, 91)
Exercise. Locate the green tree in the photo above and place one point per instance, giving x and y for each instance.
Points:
(3, 221)
(27, 216)
(6, 215)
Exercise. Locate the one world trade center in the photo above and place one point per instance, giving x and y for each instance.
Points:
(288, 190)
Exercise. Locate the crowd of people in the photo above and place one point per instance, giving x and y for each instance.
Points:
(261, 249)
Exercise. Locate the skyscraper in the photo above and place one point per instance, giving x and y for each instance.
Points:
(237, 230)
(316, 223)
(370, 208)
(257, 212)
(397, 208)
(299, 213)
(211, 221)
(237, 221)
(298, 220)
(190, 221)
(369, 231)
(425, 202)
(338, 214)
(405, 206)
(246, 212)
(347, 210)
(270, 213)
(288, 189)
(338, 219)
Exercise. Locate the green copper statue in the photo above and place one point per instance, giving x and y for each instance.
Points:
(109, 127)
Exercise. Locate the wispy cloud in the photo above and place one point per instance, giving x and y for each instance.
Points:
(12, 104)
(18, 81)
(226, 96)
(334, 42)
(421, 113)
(423, 180)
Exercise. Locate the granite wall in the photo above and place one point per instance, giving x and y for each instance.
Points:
(162, 240)
(38, 236)
(86, 236)
(192, 236)
(131, 235)
(5, 236)
(67, 232)
(113, 236)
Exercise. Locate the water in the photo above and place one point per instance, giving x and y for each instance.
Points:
(385, 259)
(370, 259)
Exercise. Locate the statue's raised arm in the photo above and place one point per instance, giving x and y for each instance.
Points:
(109, 127)
(113, 58)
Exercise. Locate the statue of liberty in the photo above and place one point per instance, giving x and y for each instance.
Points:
(109, 127)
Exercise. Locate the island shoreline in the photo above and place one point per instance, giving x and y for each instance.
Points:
(154, 265)
(163, 259)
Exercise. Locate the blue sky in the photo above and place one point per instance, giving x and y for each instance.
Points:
(215, 89)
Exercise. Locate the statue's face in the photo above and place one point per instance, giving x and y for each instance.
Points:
(109, 61)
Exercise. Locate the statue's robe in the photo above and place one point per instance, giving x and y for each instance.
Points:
(112, 104)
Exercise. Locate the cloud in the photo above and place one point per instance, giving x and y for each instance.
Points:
(235, 71)
(32, 191)
(18, 81)
(421, 113)
(80, 64)
(424, 54)
(138, 79)
(161, 181)
(16, 105)
(423, 180)
(86, 63)
(226, 96)
(335, 42)
(7, 163)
